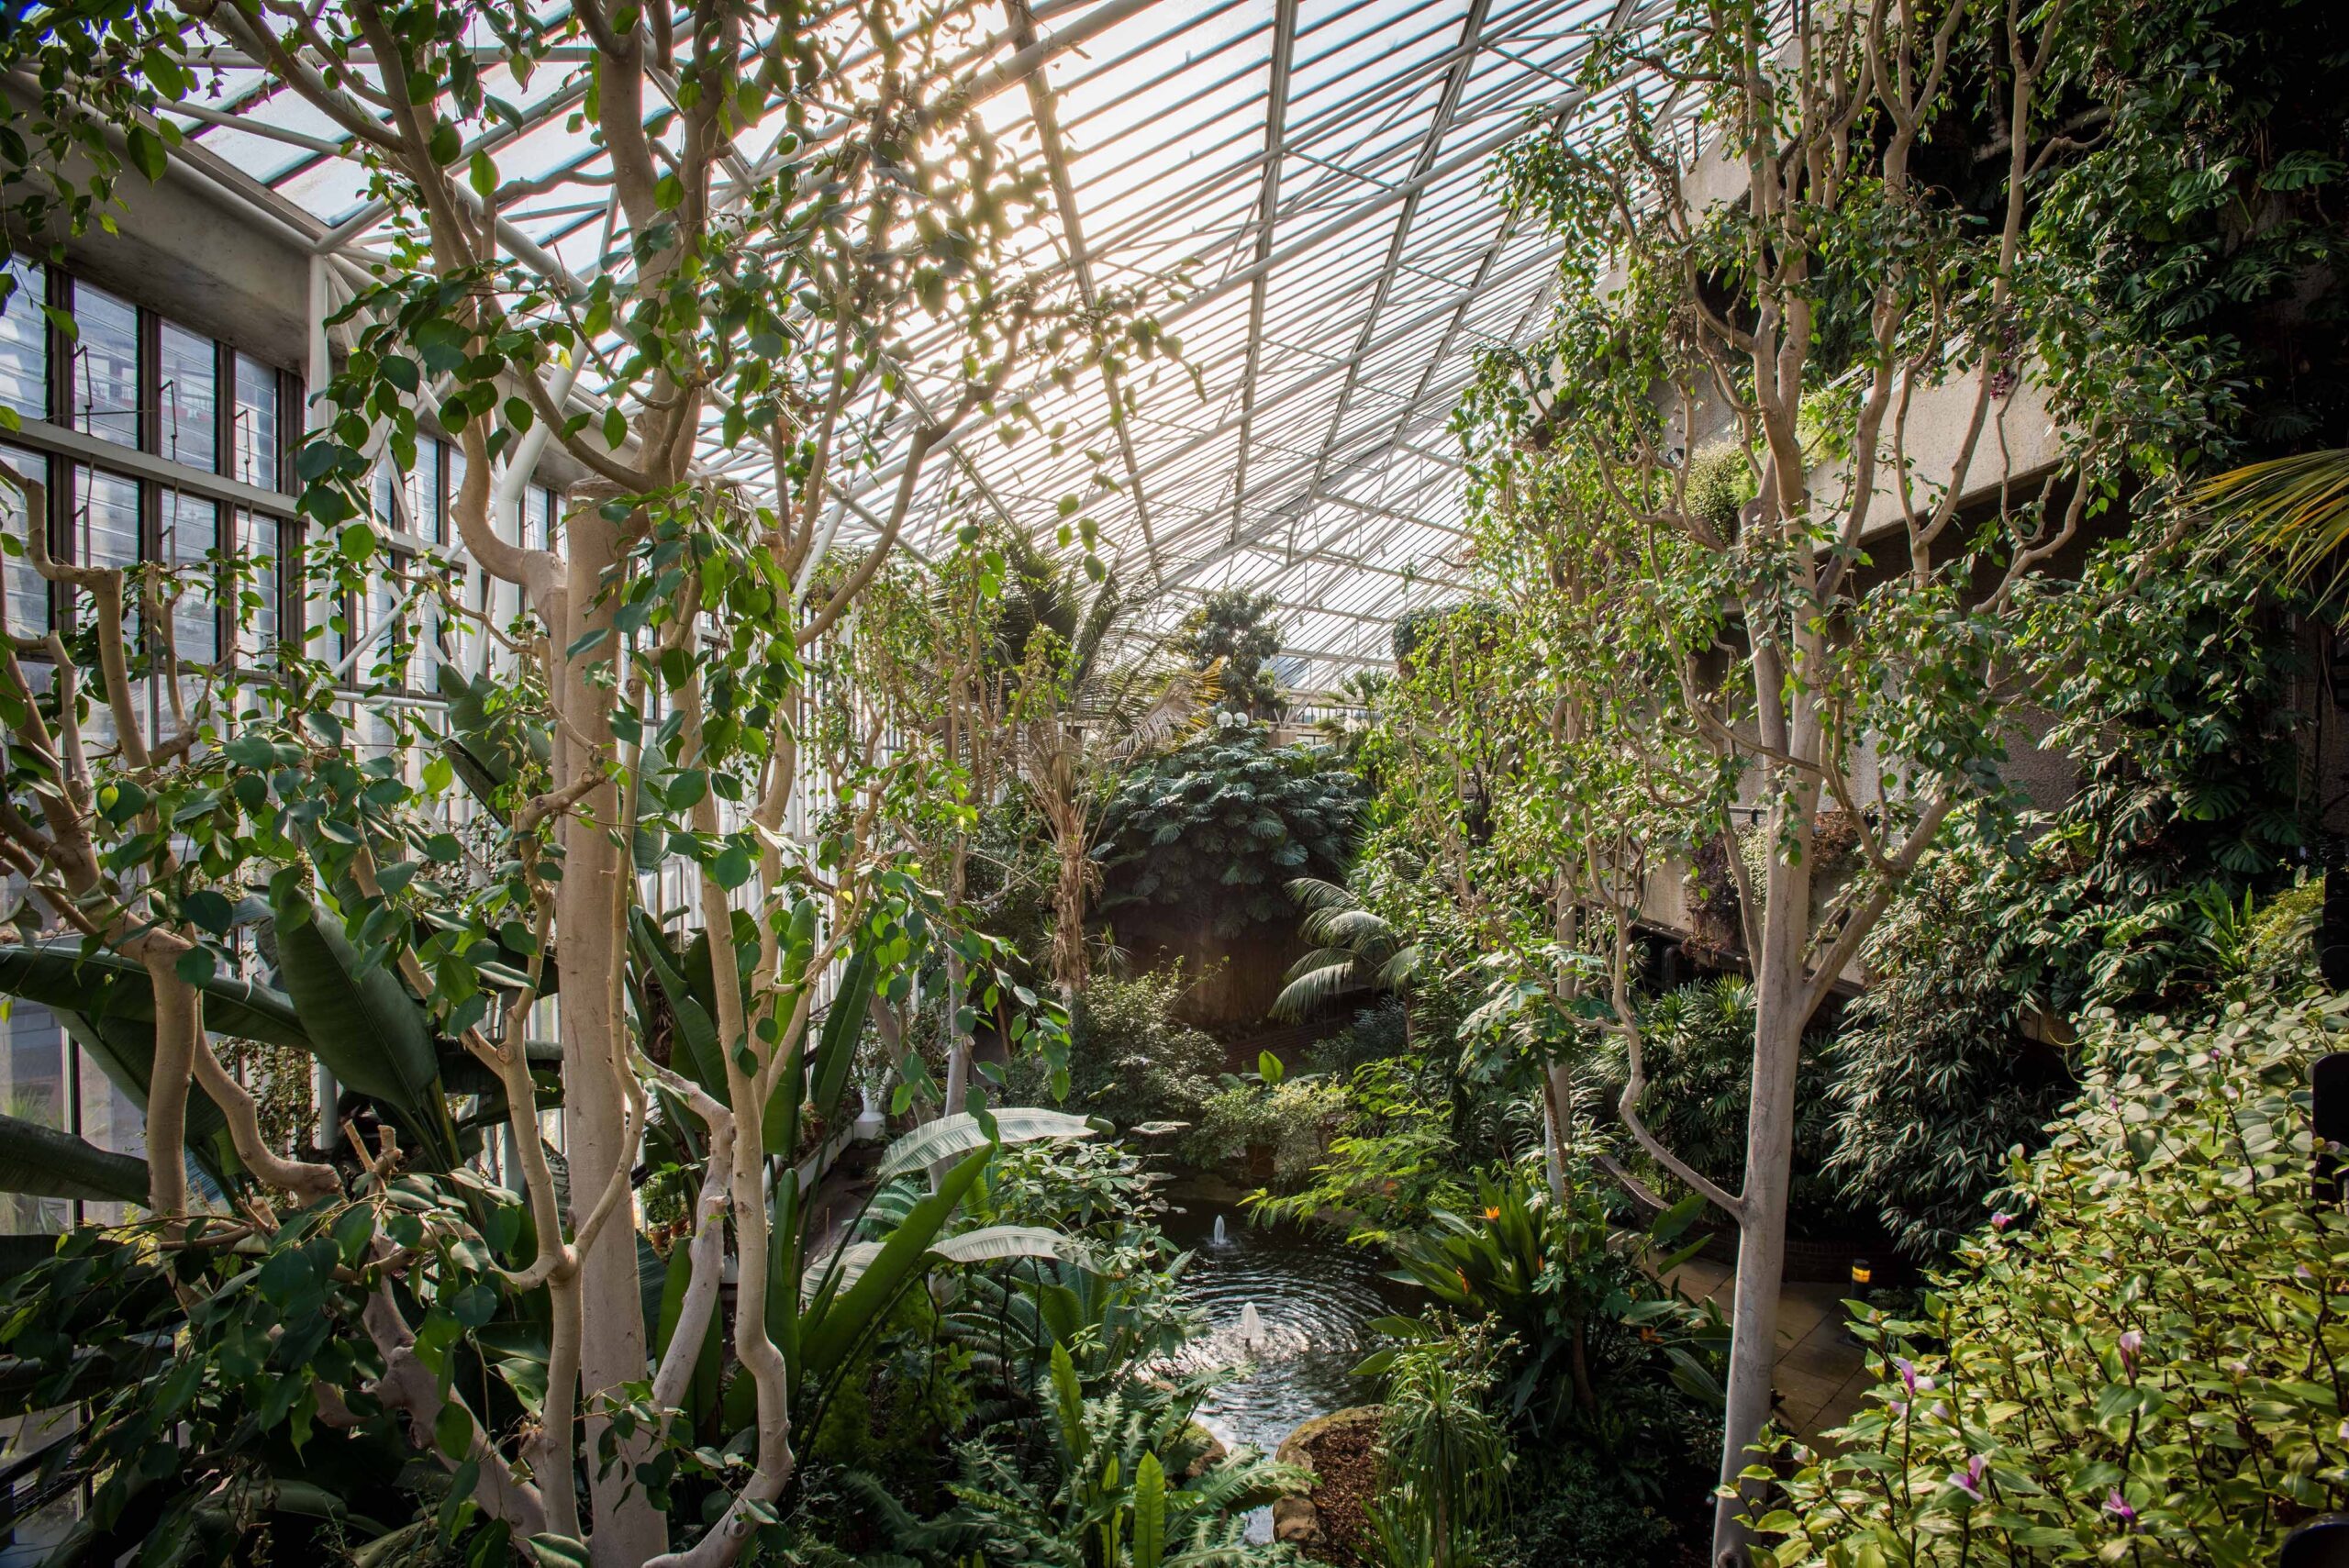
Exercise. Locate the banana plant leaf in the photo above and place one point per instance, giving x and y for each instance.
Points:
(700, 1399)
(124, 1049)
(462, 1072)
(837, 1320)
(993, 1243)
(372, 1036)
(950, 1136)
(41, 1162)
(484, 747)
(695, 1050)
(106, 984)
(843, 1026)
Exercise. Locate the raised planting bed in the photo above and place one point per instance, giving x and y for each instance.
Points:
(1329, 1523)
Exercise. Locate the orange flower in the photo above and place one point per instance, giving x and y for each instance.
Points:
(1493, 1213)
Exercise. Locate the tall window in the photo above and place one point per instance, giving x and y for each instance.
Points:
(253, 438)
(127, 376)
(188, 397)
(27, 595)
(188, 533)
(252, 568)
(105, 365)
(24, 341)
(34, 1087)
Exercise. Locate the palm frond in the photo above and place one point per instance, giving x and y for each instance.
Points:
(1399, 968)
(1311, 892)
(1310, 990)
(1353, 930)
(2294, 509)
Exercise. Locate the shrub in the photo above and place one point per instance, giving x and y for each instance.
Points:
(1292, 1121)
(1221, 826)
(1130, 1059)
(1574, 1512)
(1698, 1048)
(1589, 1327)
(1931, 1084)
(1232, 632)
(1377, 1032)
(2144, 1365)
(1393, 1163)
(1443, 1454)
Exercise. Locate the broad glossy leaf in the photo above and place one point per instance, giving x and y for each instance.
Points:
(41, 1162)
(950, 1136)
(369, 1031)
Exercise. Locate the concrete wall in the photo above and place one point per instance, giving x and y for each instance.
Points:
(1234, 979)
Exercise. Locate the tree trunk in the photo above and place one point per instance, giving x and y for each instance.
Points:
(627, 1529)
(1779, 1021)
(1557, 1124)
(958, 1042)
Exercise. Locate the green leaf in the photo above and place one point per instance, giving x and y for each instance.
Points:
(950, 1136)
(704, 1057)
(1149, 1512)
(106, 984)
(147, 153)
(993, 1243)
(843, 1026)
(364, 1025)
(836, 1322)
(556, 1551)
(41, 1162)
(453, 1430)
(1269, 1068)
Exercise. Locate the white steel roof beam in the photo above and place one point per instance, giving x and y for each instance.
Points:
(1042, 107)
(1267, 214)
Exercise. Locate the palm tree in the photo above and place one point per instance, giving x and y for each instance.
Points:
(1357, 950)
(1077, 712)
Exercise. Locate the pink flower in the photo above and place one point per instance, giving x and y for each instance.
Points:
(2117, 1506)
(1969, 1480)
(2129, 1344)
(2001, 1219)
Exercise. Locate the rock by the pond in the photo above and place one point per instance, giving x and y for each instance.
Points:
(1211, 1452)
(1296, 1521)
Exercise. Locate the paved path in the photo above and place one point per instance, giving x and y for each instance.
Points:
(1821, 1372)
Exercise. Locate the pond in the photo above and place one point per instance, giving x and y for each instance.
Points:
(1290, 1309)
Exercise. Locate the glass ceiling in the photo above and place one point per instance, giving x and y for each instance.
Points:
(1314, 168)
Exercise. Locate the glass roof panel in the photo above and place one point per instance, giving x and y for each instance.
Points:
(1316, 169)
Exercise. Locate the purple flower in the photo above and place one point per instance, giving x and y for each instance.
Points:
(1907, 1372)
(2129, 1344)
(2001, 1219)
(2117, 1506)
(1969, 1480)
